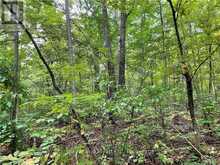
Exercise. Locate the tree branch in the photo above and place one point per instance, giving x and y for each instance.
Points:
(199, 66)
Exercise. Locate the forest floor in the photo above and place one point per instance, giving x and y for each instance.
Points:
(177, 144)
(140, 141)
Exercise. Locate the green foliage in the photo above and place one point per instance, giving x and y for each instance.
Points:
(163, 152)
(208, 110)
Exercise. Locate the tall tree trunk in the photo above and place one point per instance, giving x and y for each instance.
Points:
(142, 54)
(212, 89)
(70, 41)
(111, 73)
(107, 44)
(122, 45)
(185, 69)
(15, 89)
(164, 56)
(69, 30)
(77, 125)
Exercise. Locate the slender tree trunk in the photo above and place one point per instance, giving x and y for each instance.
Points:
(214, 83)
(151, 77)
(122, 46)
(165, 78)
(185, 69)
(107, 44)
(15, 96)
(164, 56)
(69, 30)
(96, 70)
(72, 62)
(142, 54)
(111, 73)
(206, 114)
(210, 71)
(70, 41)
(212, 89)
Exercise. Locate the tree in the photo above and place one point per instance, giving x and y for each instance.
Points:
(164, 55)
(122, 44)
(184, 67)
(107, 45)
(15, 86)
(70, 40)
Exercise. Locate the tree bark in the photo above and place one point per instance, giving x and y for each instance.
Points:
(107, 44)
(189, 88)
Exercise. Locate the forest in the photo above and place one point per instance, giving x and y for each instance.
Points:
(109, 82)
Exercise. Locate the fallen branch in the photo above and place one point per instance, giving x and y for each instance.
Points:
(189, 142)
